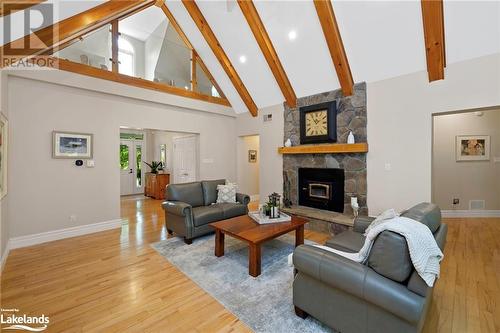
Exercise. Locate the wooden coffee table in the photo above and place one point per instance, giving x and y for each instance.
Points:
(246, 229)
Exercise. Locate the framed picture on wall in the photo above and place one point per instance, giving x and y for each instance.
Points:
(252, 156)
(473, 148)
(4, 134)
(72, 145)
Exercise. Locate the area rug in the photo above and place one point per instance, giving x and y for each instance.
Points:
(263, 303)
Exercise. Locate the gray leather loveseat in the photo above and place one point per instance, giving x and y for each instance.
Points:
(384, 295)
(190, 207)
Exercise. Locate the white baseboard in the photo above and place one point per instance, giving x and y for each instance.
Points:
(470, 213)
(29, 240)
(5, 254)
(254, 197)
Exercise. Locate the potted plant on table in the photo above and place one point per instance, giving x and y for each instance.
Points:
(155, 166)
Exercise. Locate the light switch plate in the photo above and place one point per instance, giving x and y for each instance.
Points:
(90, 163)
(496, 159)
(208, 160)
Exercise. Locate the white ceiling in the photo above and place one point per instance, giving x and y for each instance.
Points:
(383, 39)
(143, 24)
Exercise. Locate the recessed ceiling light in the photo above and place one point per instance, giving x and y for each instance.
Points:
(243, 59)
(292, 35)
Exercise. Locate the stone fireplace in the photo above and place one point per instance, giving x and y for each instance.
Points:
(351, 116)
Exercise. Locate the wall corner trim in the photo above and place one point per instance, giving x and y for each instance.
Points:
(470, 213)
(5, 254)
(34, 239)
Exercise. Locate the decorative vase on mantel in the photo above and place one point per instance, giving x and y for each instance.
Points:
(350, 138)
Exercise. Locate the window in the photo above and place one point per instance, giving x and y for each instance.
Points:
(126, 57)
(215, 93)
(138, 161)
(124, 155)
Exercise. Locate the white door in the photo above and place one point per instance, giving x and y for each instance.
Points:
(131, 171)
(185, 159)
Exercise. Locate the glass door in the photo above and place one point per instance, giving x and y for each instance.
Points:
(131, 171)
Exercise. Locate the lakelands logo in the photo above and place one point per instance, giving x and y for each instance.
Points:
(16, 321)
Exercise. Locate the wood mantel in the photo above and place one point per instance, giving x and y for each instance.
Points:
(331, 148)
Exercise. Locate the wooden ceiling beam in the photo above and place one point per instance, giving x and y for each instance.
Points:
(61, 33)
(433, 22)
(219, 53)
(266, 46)
(326, 16)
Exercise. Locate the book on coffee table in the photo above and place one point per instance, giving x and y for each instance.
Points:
(257, 217)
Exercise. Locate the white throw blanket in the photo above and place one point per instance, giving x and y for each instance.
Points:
(424, 251)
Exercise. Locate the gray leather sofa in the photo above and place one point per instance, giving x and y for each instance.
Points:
(384, 295)
(190, 207)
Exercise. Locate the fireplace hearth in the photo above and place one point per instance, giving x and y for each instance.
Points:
(322, 188)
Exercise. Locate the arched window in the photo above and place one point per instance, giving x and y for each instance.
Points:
(126, 57)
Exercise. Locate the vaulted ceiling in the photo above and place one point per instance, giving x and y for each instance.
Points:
(382, 39)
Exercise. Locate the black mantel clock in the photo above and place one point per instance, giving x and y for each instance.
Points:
(318, 123)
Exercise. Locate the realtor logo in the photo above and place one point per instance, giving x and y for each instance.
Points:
(33, 19)
(27, 31)
(10, 319)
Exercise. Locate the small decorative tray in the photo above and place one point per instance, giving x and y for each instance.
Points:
(266, 220)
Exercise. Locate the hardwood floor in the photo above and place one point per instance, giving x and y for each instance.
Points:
(114, 281)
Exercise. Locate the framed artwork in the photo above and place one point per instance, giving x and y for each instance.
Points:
(4, 134)
(72, 145)
(473, 148)
(252, 156)
(318, 123)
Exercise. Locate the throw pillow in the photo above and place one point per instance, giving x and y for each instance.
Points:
(226, 193)
(384, 217)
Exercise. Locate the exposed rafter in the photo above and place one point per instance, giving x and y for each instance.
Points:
(8, 7)
(259, 31)
(62, 33)
(433, 21)
(186, 41)
(219, 53)
(333, 38)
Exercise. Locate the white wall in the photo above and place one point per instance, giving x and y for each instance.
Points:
(400, 126)
(271, 137)
(4, 226)
(247, 172)
(152, 47)
(466, 180)
(55, 189)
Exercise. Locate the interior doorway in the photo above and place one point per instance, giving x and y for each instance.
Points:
(248, 166)
(178, 153)
(466, 163)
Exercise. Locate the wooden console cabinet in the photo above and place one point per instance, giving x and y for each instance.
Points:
(155, 185)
